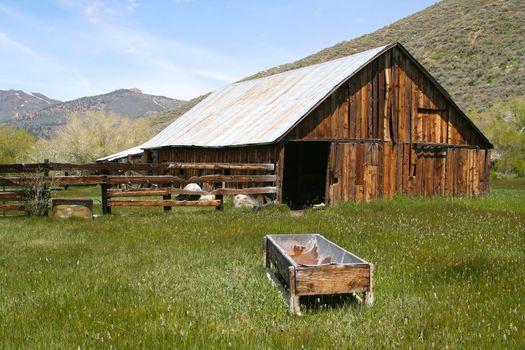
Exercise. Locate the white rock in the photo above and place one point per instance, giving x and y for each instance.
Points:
(242, 200)
(207, 198)
(193, 187)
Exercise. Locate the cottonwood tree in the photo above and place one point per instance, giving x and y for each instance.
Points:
(15, 144)
(504, 125)
(92, 135)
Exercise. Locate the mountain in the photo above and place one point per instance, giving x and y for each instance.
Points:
(126, 102)
(14, 103)
(474, 48)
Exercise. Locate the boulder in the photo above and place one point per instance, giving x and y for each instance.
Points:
(242, 200)
(190, 197)
(207, 198)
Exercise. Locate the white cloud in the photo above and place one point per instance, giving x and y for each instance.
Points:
(132, 5)
(97, 11)
(7, 41)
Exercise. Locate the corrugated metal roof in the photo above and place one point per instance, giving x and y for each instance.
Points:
(123, 154)
(262, 110)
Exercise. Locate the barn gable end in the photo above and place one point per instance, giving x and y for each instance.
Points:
(392, 98)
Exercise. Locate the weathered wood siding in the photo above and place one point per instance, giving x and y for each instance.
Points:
(252, 154)
(379, 121)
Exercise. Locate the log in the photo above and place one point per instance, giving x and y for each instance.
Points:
(162, 203)
(233, 178)
(108, 166)
(246, 191)
(149, 192)
(10, 196)
(222, 166)
(12, 207)
(129, 180)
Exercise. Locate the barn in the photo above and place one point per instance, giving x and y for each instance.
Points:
(367, 126)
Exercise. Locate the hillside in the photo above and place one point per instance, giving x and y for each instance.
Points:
(14, 103)
(474, 48)
(126, 102)
(163, 119)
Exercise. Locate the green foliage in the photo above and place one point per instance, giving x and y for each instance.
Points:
(504, 125)
(449, 274)
(15, 144)
(92, 135)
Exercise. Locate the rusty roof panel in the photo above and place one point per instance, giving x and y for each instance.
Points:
(262, 110)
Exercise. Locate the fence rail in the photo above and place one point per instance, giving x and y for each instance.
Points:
(36, 167)
(218, 185)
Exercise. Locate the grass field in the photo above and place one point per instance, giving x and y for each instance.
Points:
(449, 273)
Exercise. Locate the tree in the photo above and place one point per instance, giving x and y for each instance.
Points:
(504, 125)
(15, 144)
(92, 135)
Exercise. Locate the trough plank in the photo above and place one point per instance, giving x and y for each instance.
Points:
(332, 279)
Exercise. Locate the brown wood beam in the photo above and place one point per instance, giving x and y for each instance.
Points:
(162, 203)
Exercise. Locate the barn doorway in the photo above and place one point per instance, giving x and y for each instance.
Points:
(305, 165)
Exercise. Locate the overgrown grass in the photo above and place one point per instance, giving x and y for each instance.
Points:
(448, 273)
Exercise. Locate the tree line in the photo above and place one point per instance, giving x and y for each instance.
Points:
(84, 138)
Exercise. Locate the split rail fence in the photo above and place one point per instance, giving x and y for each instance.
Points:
(147, 180)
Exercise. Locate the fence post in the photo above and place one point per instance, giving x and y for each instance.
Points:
(221, 204)
(167, 197)
(106, 209)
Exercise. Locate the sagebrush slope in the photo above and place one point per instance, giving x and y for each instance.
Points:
(474, 48)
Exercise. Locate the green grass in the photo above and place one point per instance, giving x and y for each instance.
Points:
(448, 273)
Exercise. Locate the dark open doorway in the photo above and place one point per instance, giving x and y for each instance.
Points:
(305, 165)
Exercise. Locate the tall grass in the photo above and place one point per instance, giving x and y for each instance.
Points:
(448, 273)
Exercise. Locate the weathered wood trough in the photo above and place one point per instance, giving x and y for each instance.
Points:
(310, 264)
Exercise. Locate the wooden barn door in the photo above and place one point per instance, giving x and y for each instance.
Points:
(305, 172)
(430, 172)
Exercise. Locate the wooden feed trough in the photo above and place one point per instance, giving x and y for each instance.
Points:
(310, 264)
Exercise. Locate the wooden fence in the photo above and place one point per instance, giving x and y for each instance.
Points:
(152, 184)
(11, 201)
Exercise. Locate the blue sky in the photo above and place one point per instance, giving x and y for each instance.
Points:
(178, 48)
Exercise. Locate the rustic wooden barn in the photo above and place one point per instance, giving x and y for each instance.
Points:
(362, 127)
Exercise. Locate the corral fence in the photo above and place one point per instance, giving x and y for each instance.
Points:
(133, 185)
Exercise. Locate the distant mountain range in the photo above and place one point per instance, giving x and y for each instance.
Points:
(14, 103)
(40, 115)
